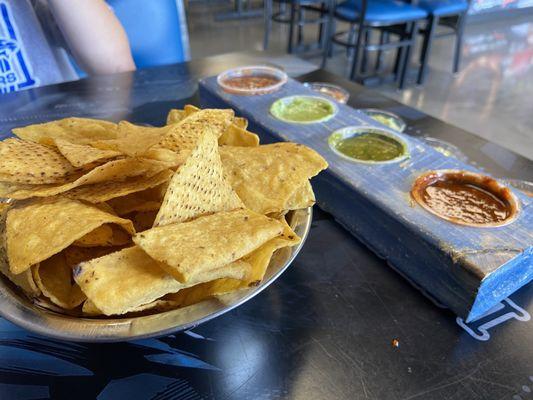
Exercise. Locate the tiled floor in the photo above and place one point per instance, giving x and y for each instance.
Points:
(491, 96)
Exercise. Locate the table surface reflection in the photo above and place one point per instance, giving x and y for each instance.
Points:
(338, 324)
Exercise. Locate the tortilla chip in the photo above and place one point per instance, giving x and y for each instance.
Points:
(142, 220)
(74, 130)
(174, 116)
(267, 177)
(133, 202)
(120, 237)
(303, 197)
(105, 208)
(132, 140)
(105, 191)
(54, 277)
(189, 109)
(90, 309)
(161, 154)
(115, 170)
(155, 306)
(183, 136)
(75, 255)
(203, 291)
(258, 260)
(28, 162)
(198, 187)
(98, 237)
(122, 281)
(240, 122)
(146, 200)
(38, 229)
(237, 136)
(208, 242)
(24, 280)
(105, 235)
(80, 155)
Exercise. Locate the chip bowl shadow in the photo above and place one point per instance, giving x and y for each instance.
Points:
(18, 309)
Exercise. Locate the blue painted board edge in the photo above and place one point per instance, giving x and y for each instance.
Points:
(423, 262)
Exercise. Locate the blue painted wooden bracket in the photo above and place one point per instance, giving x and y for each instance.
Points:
(468, 269)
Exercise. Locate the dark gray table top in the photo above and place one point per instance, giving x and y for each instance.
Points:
(324, 330)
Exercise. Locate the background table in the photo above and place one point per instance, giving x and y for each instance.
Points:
(324, 330)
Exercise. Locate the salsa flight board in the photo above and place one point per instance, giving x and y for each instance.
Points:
(469, 269)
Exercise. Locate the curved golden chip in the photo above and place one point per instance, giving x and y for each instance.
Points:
(41, 228)
(54, 277)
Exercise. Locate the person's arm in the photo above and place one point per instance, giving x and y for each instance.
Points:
(94, 35)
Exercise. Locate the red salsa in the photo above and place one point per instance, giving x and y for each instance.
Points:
(465, 198)
(251, 82)
(465, 202)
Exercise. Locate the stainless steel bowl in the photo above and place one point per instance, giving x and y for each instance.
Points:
(17, 308)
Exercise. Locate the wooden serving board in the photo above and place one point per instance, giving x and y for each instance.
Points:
(468, 269)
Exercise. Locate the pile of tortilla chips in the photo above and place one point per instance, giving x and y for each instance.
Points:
(109, 219)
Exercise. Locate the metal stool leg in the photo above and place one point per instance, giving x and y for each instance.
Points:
(291, 26)
(268, 22)
(300, 17)
(426, 48)
(383, 38)
(351, 40)
(330, 31)
(398, 62)
(321, 26)
(458, 42)
(407, 58)
(364, 60)
(360, 35)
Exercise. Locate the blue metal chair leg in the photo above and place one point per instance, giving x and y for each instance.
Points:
(426, 48)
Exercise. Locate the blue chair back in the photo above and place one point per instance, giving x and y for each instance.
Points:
(156, 29)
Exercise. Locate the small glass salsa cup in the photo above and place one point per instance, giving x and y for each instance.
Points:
(252, 80)
(387, 118)
(336, 92)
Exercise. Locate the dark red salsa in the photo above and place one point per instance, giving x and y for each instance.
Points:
(251, 82)
(465, 198)
(465, 202)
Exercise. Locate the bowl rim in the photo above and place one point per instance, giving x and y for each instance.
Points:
(316, 121)
(360, 129)
(18, 309)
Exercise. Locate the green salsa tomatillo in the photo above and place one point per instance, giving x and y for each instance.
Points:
(303, 109)
(367, 145)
